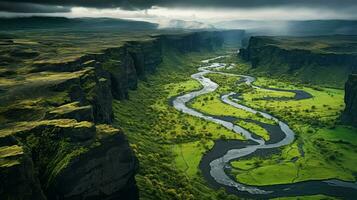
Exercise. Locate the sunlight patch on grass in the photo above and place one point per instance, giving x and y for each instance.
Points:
(188, 155)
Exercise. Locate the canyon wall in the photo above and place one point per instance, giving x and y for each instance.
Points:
(298, 64)
(350, 113)
(56, 141)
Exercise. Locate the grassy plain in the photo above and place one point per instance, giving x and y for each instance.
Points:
(323, 148)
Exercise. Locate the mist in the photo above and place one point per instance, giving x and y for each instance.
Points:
(256, 17)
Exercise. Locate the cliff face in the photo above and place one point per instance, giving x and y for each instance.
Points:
(56, 141)
(350, 113)
(194, 42)
(299, 64)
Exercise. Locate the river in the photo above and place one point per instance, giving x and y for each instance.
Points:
(215, 165)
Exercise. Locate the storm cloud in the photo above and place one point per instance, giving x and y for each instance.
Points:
(6, 6)
(64, 5)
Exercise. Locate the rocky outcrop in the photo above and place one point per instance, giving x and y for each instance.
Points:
(350, 113)
(56, 141)
(69, 159)
(18, 179)
(308, 66)
(105, 170)
(146, 56)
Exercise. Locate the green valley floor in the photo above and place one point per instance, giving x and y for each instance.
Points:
(170, 144)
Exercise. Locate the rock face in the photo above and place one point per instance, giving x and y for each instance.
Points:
(350, 113)
(146, 57)
(300, 62)
(194, 41)
(56, 141)
(105, 171)
(17, 175)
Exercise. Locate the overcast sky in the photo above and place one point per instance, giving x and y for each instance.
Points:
(199, 10)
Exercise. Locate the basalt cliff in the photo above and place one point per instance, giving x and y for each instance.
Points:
(56, 137)
(350, 113)
(319, 60)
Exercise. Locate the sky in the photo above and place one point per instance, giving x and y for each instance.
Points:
(192, 10)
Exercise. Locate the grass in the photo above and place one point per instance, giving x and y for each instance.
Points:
(215, 106)
(254, 128)
(169, 144)
(306, 159)
(344, 134)
(154, 127)
(326, 148)
(262, 93)
(321, 160)
(188, 156)
(211, 104)
(324, 108)
(175, 142)
(274, 174)
(318, 44)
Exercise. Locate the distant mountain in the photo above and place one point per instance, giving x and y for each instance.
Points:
(20, 23)
(294, 28)
(181, 24)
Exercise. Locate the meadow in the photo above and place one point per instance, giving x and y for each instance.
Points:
(170, 144)
(323, 149)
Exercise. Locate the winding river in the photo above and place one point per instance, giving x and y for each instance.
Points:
(215, 164)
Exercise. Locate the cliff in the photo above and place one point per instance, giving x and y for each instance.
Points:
(349, 115)
(56, 141)
(194, 41)
(317, 60)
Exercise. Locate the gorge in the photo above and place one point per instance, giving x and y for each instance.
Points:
(58, 149)
(92, 110)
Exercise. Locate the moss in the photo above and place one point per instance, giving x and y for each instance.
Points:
(59, 98)
(4, 162)
(51, 145)
(62, 159)
(104, 130)
(62, 123)
(113, 66)
(66, 108)
(10, 155)
(8, 151)
(54, 144)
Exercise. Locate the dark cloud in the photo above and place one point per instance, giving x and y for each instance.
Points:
(261, 3)
(36, 6)
(31, 7)
(50, 5)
